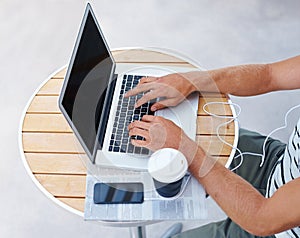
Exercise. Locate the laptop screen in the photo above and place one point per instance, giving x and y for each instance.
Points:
(86, 83)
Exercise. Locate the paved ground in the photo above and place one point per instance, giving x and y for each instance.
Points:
(36, 38)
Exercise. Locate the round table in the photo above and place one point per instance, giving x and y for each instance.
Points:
(48, 147)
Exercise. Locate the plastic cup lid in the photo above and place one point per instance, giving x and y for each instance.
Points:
(167, 165)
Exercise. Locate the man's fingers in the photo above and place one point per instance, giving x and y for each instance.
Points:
(139, 132)
(147, 80)
(146, 98)
(150, 118)
(139, 124)
(157, 106)
(139, 143)
(164, 103)
(138, 89)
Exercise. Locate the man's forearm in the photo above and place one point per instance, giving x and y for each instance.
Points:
(243, 80)
(249, 80)
(239, 200)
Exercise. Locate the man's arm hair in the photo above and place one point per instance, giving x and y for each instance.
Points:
(285, 74)
(241, 201)
(254, 79)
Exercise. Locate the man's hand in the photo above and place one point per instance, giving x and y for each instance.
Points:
(172, 88)
(158, 133)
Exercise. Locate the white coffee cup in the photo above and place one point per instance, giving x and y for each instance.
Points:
(167, 167)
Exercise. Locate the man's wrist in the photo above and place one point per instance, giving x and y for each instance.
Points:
(200, 164)
(201, 81)
(189, 148)
(191, 77)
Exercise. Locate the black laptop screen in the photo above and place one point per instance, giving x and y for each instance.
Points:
(88, 80)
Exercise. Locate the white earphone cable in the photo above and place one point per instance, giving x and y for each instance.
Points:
(235, 118)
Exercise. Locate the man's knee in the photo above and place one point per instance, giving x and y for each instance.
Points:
(250, 141)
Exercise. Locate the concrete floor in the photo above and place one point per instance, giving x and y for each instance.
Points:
(36, 38)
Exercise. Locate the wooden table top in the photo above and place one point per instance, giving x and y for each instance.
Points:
(51, 154)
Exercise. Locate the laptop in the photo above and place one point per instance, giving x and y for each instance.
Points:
(92, 100)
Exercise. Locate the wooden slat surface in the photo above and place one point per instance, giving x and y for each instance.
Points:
(145, 56)
(46, 123)
(44, 104)
(72, 186)
(67, 143)
(51, 143)
(214, 146)
(47, 163)
(213, 105)
(76, 203)
(61, 74)
(141, 56)
(208, 126)
(57, 159)
(57, 123)
(49, 104)
(51, 87)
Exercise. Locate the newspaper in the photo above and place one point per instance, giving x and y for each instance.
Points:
(190, 205)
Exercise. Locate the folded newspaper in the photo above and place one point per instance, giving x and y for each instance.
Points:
(190, 205)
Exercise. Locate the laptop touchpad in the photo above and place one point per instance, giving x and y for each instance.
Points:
(183, 115)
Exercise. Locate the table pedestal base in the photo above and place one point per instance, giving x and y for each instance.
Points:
(138, 232)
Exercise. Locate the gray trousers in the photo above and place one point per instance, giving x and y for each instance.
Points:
(250, 171)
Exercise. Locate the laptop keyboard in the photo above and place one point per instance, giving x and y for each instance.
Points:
(126, 113)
